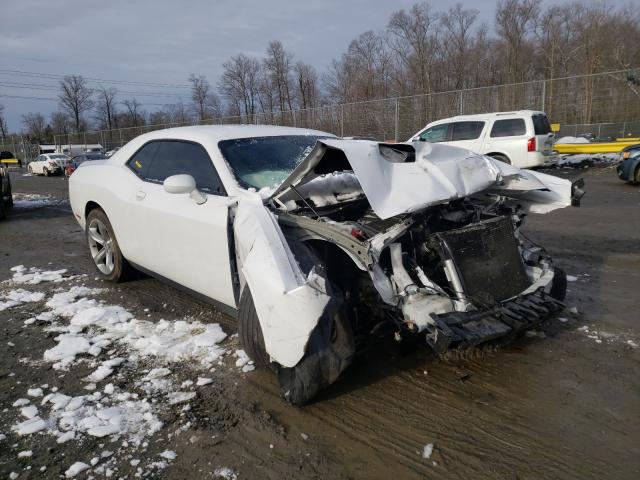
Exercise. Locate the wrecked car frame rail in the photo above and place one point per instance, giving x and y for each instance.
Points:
(353, 246)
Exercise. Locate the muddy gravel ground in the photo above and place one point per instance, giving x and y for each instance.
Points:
(560, 402)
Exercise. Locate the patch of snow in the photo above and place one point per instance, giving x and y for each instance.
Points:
(19, 296)
(21, 402)
(427, 450)
(203, 381)
(572, 140)
(169, 455)
(25, 454)
(34, 200)
(75, 469)
(35, 392)
(226, 473)
(35, 276)
(180, 397)
(29, 412)
(571, 278)
(30, 426)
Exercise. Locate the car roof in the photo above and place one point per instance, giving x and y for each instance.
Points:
(217, 133)
(491, 115)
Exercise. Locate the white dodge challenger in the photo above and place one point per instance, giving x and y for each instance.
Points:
(314, 242)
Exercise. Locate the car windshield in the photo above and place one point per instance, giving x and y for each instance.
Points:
(261, 162)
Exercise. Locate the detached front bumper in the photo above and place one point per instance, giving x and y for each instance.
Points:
(505, 319)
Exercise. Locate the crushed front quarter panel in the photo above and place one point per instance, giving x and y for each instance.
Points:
(288, 303)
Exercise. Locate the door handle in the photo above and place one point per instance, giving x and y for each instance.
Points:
(140, 195)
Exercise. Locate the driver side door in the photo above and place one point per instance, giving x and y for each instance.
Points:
(173, 236)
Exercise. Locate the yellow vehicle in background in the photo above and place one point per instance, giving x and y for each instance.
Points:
(8, 159)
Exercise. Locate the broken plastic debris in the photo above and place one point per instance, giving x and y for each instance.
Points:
(427, 450)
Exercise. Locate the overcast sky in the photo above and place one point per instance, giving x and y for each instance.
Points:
(163, 42)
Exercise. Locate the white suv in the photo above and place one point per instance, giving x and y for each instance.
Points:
(522, 138)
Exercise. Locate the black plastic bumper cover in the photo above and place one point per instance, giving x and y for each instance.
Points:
(508, 318)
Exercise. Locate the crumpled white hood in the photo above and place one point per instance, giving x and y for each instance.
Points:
(440, 173)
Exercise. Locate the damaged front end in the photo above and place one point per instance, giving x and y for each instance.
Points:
(412, 243)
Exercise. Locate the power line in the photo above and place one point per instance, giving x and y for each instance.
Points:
(53, 76)
(23, 97)
(40, 86)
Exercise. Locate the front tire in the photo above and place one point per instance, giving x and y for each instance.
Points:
(559, 285)
(46, 172)
(250, 332)
(104, 249)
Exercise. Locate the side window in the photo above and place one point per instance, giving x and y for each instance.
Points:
(175, 157)
(435, 134)
(141, 160)
(40, 158)
(508, 128)
(541, 124)
(466, 130)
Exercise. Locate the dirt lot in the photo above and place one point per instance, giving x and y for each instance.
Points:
(561, 403)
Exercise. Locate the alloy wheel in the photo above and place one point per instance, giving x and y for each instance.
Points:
(101, 246)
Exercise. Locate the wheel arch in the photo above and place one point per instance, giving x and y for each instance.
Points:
(501, 154)
(91, 205)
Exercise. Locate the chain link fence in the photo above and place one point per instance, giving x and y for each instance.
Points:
(603, 104)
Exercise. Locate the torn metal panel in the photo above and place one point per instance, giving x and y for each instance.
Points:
(289, 304)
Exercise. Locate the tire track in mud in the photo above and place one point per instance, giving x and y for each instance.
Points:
(397, 417)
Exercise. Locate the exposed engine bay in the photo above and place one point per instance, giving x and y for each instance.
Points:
(411, 243)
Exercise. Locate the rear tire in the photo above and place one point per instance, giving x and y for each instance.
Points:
(501, 158)
(3, 210)
(9, 203)
(46, 172)
(250, 332)
(636, 176)
(30, 170)
(104, 249)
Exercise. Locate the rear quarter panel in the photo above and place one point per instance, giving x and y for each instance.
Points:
(112, 187)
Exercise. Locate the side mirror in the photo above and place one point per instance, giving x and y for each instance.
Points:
(184, 183)
(179, 184)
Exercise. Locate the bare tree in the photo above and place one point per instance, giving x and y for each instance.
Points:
(179, 113)
(240, 83)
(60, 123)
(457, 40)
(106, 107)
(3, 124)
(515, 20)
(35, 126)
(134, 116)
(75, 98)
(205, 102)
(414, 40)
(278, 67)
(307, 85)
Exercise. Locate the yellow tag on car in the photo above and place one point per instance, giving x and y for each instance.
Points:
(138, 164)
(626, 154)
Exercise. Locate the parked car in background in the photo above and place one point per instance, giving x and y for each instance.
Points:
(629, 168)
(6, 199)
(48, 164)
(523, 139)
(108, 153)
(76, 161)
(315, 242)
(8, 159)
